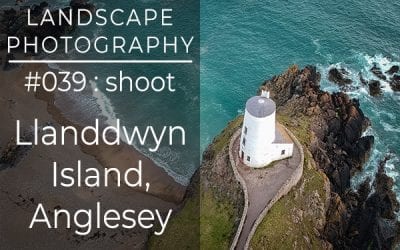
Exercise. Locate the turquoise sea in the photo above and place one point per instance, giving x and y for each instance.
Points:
(244, 42)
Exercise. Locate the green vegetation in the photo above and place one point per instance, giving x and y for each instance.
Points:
(222, 140)
(183, 229)
(217, 217)
(298, 125)
(294, 220)
(216, 222)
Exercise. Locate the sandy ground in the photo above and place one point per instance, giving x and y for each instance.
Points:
(29, 181)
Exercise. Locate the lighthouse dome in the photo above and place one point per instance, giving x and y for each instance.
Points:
(260, 106)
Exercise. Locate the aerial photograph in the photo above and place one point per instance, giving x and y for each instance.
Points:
(199, 124)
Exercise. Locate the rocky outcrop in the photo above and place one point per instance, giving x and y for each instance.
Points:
(217, 175)
(337, 122)
(13, 22)
(218, 178)
(378, 72)
(337, 146)
(339, 76)
(395, 83)
(7, 65)
(12, 154)
(374, 87)
(372, 222)
(394, 69)
(391, 76)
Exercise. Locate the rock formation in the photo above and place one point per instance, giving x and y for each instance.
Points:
(340, 150)
(395, 82)
(14, 22)
(374, 87)
(339, 76)
(394, 69)
(378, 72)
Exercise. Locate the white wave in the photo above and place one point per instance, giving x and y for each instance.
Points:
(390, 115)
(389, 128)
(106, 108)
(363, 65)
(203, 50)
(368, 131)
(384, 63)
(164, 153)
(386, 119)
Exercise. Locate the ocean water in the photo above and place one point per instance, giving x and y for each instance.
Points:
(157, 109)
(244, 42)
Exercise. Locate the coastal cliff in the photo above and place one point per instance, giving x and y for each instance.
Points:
(322, 211)
(355, 218)
(213, 205)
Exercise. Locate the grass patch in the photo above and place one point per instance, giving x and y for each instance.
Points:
(291, 222)
(216, 223)
(203, 219)
(206, 222)
(299, 126)
(182, 231)
(222, 140)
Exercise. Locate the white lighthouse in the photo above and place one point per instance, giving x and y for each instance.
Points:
(260, 142)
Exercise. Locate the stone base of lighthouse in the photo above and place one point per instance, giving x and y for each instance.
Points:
(281, 148)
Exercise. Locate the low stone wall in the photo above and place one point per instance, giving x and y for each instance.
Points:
(286, 187)
(243, 183)
(289, 184)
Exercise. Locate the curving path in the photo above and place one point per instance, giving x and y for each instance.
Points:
(263, 187)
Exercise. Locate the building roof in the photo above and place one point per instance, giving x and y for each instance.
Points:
(260, 106)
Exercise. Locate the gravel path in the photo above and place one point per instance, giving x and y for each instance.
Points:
(263, 184)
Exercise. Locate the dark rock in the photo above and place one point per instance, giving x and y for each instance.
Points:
(338, 76)
(394, 69)
(3, 28)
(378, 72)
(395, 82)
(9, 14)
(18, 24)
(13, 153)
(36, 10)
(362, 79)
(15, 23)
(374, 88)
(361, 151)
(3, 40)
(81, 4)
(43, 5)
(336, 219)
(374, 215)
(339, 118)
(7, 64)
(354, 220)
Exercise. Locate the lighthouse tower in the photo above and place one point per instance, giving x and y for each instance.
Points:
(260, 143)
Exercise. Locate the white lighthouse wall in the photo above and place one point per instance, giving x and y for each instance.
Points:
(260, 132)
(257, 147)
(275, 151)
(256, 138)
